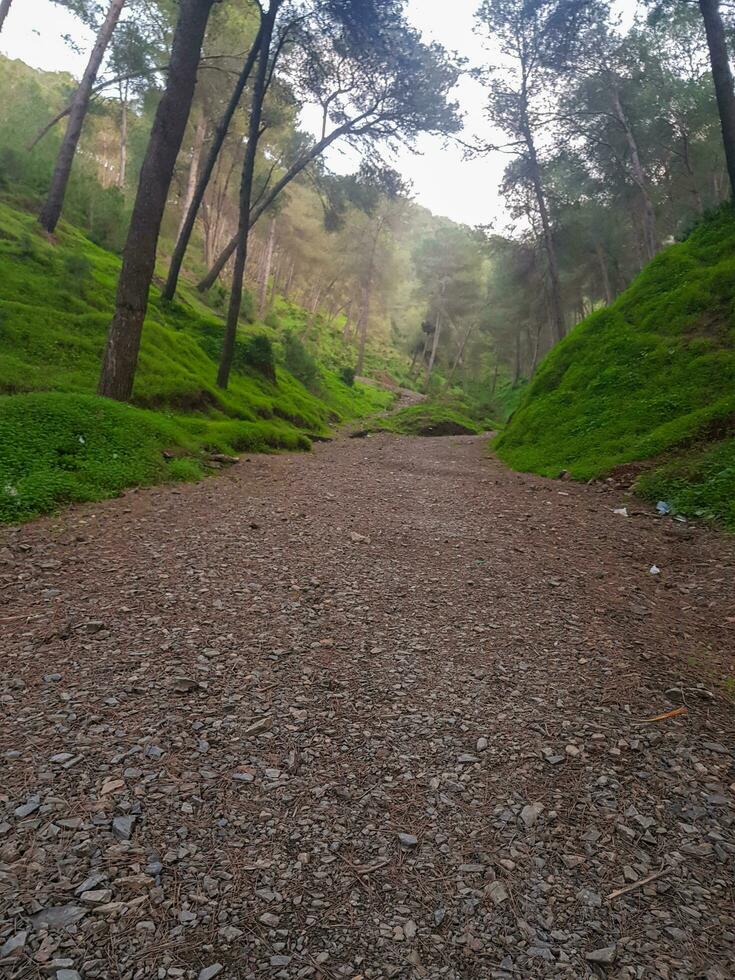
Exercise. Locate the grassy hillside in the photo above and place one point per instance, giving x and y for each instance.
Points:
(650, 378)
(59, 442)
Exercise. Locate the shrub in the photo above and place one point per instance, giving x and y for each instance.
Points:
(347, 374)
(299, 361)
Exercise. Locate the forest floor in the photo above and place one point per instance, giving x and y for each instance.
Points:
(375, 712)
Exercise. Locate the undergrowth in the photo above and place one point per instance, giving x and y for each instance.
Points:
(59, 442)
(650, 377)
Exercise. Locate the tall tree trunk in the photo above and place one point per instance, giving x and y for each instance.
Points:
(557, 313)
(246, 194)
(265, 272)
(650, 238)
(4, 8)
(722, 77)
(434, 348)
(51, 211)
(294, 170)
(191, 183)
(139, 256)
(365, 313)
(460, 353)
(604, 273)
(495, 377)
(517, 370)
(122, 175)
(220, 133)
(362, 327)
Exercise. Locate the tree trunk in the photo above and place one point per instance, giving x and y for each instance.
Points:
(517, 370)
(51, 211)
(650, 239)
(365, 313)
(434, 347)
(722, 77)
(246, 194)
(557, 313)
(4, 8)
(265, 272)
(363, 330)
(139, 256)
(123, 139)
(460, 353)
(222, 259)
(187, 225)
(604, 273)
(196, 153)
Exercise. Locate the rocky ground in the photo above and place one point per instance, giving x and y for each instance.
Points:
(378, 712)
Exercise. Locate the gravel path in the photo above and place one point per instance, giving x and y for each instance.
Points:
(374, 712)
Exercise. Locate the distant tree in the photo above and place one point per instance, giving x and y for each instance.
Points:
(378, 85)
(265, 64)
(722, 78)
(139, 256)
(51, 211)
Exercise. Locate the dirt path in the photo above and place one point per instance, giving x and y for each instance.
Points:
(392, 637)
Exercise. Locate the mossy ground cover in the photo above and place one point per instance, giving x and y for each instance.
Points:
(428, 419)
(650, 377)
(59, 442)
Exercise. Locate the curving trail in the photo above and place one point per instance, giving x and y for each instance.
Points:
(369, 713)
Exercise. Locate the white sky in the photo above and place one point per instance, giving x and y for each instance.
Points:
(443, 181)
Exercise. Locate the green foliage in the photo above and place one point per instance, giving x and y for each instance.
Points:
(299, 361)
(427, 419)
(55, 304)
(348, 376)
(652, 374)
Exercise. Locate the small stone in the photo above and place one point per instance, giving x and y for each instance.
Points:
(13, 946)
(497, 892)
(210, 971)
(270, 920)
(482, 744)
(99, 896)
(605, 955)
(68, 975)
(26, 809)
(57, 917)
(122, 827)
(530, 813)
(408, 840)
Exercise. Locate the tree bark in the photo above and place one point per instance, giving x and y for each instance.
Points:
(265, 272)
(4, 8)
(139, 256)
(557, 313)
(51, 211)
(246, 194)
(650, 238)
(460, 353)
(123, 172)
(187, 225)
(365, 312)
(434, 348)
(722, 78)
(196, 154)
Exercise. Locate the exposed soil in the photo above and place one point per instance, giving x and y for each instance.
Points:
(374, 712)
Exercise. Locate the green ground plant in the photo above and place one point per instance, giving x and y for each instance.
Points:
(61, 443)
(651, 377)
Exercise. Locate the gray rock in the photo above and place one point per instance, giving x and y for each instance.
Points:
(57, 917)
(408, 840)
(530, 813)
(13, 946)
(26, 809)
(210, 971)
(122, 827)
(604, 955)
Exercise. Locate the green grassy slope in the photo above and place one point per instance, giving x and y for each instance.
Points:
(652, 377)
(59, 442)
